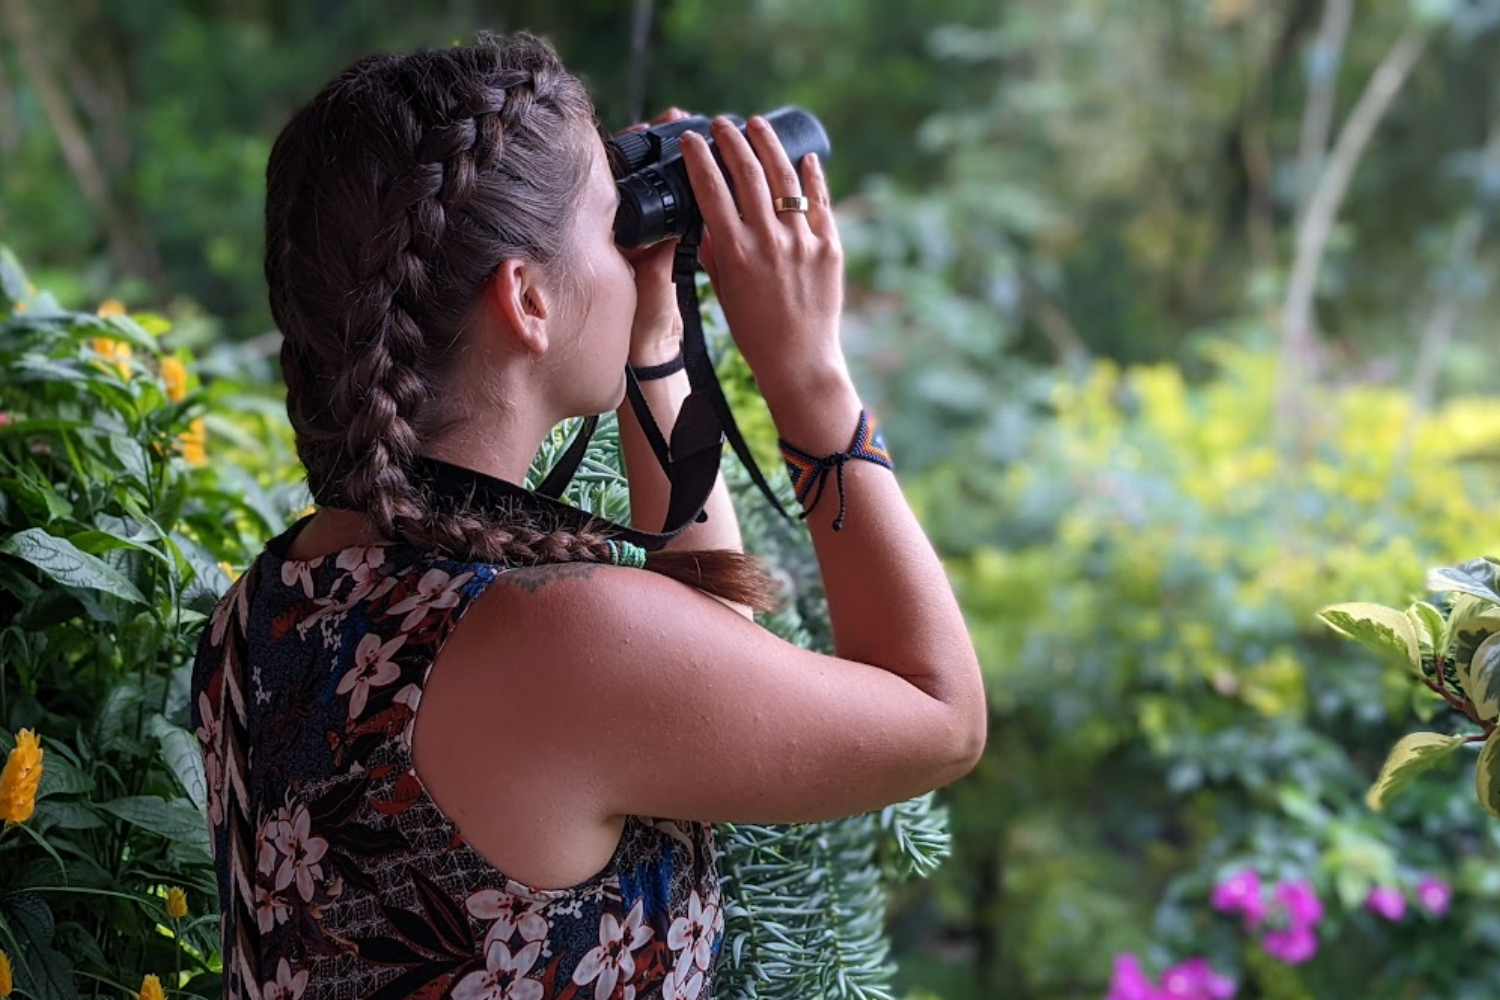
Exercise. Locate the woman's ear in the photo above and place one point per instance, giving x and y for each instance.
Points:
(519, 300)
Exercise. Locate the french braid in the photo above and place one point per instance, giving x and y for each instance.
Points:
(390, 199)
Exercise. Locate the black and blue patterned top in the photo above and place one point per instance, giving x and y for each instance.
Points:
(339, 876)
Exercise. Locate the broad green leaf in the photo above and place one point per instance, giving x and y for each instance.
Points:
(1476, 577)
(69, 565)
(40, 971)
(68, 815)
(1465, 608)
(1410, 757)
(1430, 626)
(60, 777)
(1468, 637)
(178, 821)
(1481, 678)
(1487, 774)
(179, 749)
(1378, 627)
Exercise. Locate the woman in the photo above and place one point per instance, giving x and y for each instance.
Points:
(441, 261)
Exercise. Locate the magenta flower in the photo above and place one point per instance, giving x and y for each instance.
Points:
(1241, 893)
(1301, 902)
(1435, 895)
(1386, 901)
(1130, 981)
(1293, 945)
(1195, 979)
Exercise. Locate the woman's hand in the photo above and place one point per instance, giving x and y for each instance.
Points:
(656, 334)
(779, 276)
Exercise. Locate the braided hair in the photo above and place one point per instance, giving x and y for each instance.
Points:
(390, 199)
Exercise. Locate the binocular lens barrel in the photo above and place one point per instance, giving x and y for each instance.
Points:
(656, 199)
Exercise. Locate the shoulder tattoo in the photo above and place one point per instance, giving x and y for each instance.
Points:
(533, 578)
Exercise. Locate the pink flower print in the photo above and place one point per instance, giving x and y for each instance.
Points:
(1435, 895)
(234, 603)
(612, 958)
(372, 668)
(1129, 981)
(1241, 893)
(271, 908)
(435, 590)
(1303, 907)
(510, 913)
(684, 982)
(504, 975)
(1386, 901)
(1294, 945)
(1195, 979)
(208, 741)
(294, 572)
(300, 854)
(265, 840)
(285, 986)
(692, 934)
(362, 563)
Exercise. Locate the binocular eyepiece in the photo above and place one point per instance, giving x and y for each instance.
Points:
(656, 199)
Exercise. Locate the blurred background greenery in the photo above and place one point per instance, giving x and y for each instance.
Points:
(1181, 317)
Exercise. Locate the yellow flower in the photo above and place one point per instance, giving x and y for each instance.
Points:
(229, 571)
(6, 983)
(176, 903)
(19, 780)
(151, 989)
(174, 376)
(111, 307)
(194, 441)
(113, 351)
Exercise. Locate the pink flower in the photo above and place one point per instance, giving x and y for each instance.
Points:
(285, 986)
(684, 982)
(270, 909)
(1294, 945)
(1241, 893)
(1130, 981)
(693, 934)
(504, 975)
(434, 591)
(1195, 979)
(1387, 901)
(301, 853)
(372, 668)
(612, 959)
(510, 913)
(1303, 907)
(294, 572)
(1435, 895)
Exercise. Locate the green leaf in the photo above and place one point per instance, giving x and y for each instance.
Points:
(179, 749)
(1487, 774)
(66, 815)
(178, 821)
(1378, 627)
(1476, 577)
(69, 565)
(1481, 678)
(1468, 637)
(1430, 626)
(1412, 756)
(40, 972)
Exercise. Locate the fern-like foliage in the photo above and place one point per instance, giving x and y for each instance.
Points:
(804, 904)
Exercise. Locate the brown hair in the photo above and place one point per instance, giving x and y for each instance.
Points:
(390, 199)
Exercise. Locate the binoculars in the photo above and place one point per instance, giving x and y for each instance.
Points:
(656, 199)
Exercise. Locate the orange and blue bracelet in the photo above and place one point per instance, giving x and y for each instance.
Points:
(808, 471)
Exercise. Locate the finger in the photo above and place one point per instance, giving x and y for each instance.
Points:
(670, 115)
(706, 256)
(710, 189)
(781, 176)
(750, 188)
(819, 206)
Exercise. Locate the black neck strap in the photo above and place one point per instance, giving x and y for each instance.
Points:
(712, 407)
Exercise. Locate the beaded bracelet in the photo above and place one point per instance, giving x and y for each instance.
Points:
(807, 471)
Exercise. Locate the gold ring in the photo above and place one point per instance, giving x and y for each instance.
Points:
(794, 204)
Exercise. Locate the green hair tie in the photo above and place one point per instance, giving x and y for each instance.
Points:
(626, 554)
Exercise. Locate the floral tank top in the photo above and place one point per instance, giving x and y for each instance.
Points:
(339, 877)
